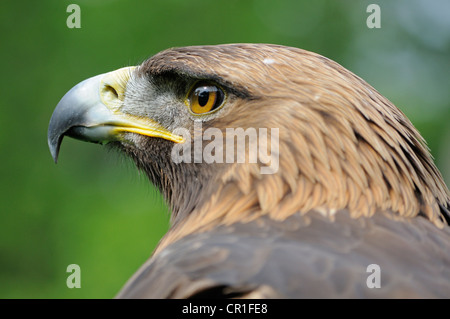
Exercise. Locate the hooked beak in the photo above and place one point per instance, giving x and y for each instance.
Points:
(91, 111)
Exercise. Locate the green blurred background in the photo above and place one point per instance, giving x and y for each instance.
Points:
(93, 208)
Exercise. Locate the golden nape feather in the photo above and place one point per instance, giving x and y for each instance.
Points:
(336, 179)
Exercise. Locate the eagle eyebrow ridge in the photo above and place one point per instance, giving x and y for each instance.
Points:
(190, 76)
(171, 63)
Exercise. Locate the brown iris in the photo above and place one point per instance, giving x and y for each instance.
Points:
(205, 97)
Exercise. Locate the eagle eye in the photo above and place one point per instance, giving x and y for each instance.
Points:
(205, 97)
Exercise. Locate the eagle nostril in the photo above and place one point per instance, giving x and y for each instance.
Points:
(113, 86)
(111, 96)
(110, 92)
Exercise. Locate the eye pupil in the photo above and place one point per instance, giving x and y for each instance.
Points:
(203, 98)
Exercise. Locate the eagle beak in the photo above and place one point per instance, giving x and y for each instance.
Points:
(91, 111)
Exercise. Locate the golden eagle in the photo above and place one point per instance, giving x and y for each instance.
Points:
(286, 175)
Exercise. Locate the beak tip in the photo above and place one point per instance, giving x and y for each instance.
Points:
(55, 158)
(54, 143)
(54, 151)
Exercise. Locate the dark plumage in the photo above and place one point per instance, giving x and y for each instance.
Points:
(355, 183)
